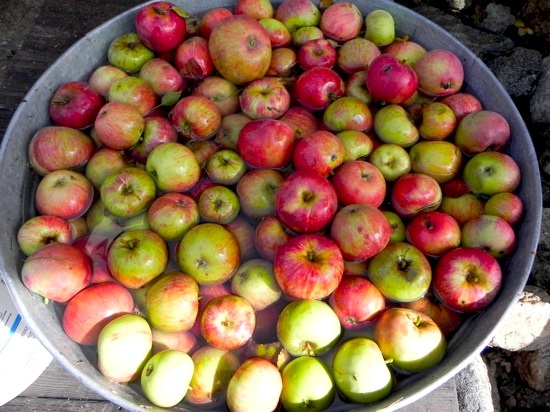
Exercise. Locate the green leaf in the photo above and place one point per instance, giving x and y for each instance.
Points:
(170, 98)
(180, 12)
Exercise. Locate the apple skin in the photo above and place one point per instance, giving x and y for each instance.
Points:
(308, 384)
(302, 121)
(320, 152)
(401, 272)
(317, 87)
(269, 235)
(183, 341)
(279, 35)
(128, 53)
(192, 59)
(213, 370)
(159, 26)
(360, 371)
(64, 193)
(157, 130)
(380, 27)
(389, 80)
(162, 77)
(255, 282)
(434, 232)
(354, 56)
(257, 9)
(244, 232)
(410, 338)
(393, 124)
(462, 104)
(75, 104)
(308, 266)
(348, 113)
(357, 145)
(119, 125)
(440, 159)
(223, 93)
(133, 90)
(356, 86)
(358, 181)
(227, 135)
(137, 256)
(210, 253)
(124, 346)
(92, 308)
(341, 22)
(489, 173)
(283, 61)
(398, 228)
(356, 302)
(491, 233)
(166, 376)
(318, 52)
(482, 130)
(462, 208)
(57, 271)
(57, 147)
(298, 328)
(265, 98)
(506, 205)
(247, 56)
(413, 193)
(407, 51)
(467, 279)
(360, 231)
(195, 117)
(103, 77)
(173, 302)
(437, 121)
(172, 215)
(218, 204)
(104, 162)
(227, 322)
(41, 230)
(306, 202)
(256, 191)
(298, 13)
(440, 73)
(210, 19)
(392, 160)
(255, 386)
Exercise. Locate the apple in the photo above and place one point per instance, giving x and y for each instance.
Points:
(482, 130)
(410, 338)
(434, 233)
(440, 159)
(227, 322)
(488, 173)
(157, 130)
(320, 152)
(413, 193)
(388, 80)
(355, 56)
(491, 233)
(196, 117)
(119, 125)
(240, 49)
(42, 230)
(348, 113)
(255, 282)
(64, 193)
(213, 370)
(462, 208)
(318, 52)
(160, 26)
(462, 104)
(265, 98)
(356, 302)
(269, 235)
(227, 135)
(193, 60)
(283, 61)
(266, 143)
(440, 73)
(341, 21)
(306, 202)
(223, 93)
(162, 77)
(196, 190)
(124, 346)
(166, 376)
(398, 228)
(357, 145)
(92, 308)
(401, 272)
(133, 90)
(185, 341)
(171, 215)
(173, 302)
(393, 124)
(173, 167)
(406, 50)
(255, 386)
(244, 232)
(308, 383)
(256, 191)
(298, 13)
(380, 27)
(437, 121)
(301, 120)
(102, 163)
(360, 371)
(58, 147)
(103, 77)
(257, 9)
(127, 192)
(308, 266)
(358, 181)
(279, 35)
(208, 252)
(506, 205)
(356, 87)
(75, 104)
(57, 271)
(128, 53)
(467, 279)
(360, 231)
(392, 160)
(299, 332)
(317, 87)
(218, 204)
(203, 150)
(210, 19)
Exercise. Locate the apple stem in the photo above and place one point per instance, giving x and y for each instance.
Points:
(388, 361)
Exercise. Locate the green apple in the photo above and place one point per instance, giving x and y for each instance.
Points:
(392, 160)
(401, 272)
(124, 346)
(298, 327)
(410, 339)
(225, 167)
(380, 27)
(356, 144)
(166, 376)
(308, 385)
(393, 124)
(488, 173)
(218, 204)
(398, 228)
(360, 371)
(128, 53)
(255, 281)
(439, 159)
(437, 122)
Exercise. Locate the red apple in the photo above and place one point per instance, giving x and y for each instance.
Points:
(482, 130)
(317, 87)
(434, 233)
(257, 9)
(462, 104)
(318, 52)
(133, 90)
(75, 104)
(223, 93)
(506, 205)
(103, 77)
(157, 130)
(119, 125)
(265, 98)
(41, 230)
(256, 191)
(160, 26)
(389, 80)
(320, 152)
(172, 214)
(279, 35)
(193, 59)
(196, 117)
(270, 234)
(356, 55)
(162, 77)
(210, 19)
(358, 181)
(440, 73)
(341, 21)
(301, 120)
(413, 193)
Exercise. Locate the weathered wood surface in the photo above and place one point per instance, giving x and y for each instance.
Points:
(59, 24)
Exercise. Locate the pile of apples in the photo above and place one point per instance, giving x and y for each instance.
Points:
(269, 206)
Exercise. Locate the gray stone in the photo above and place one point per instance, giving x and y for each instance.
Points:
(474, 387)
(527, 325)
(459, 4)
(540, 272)
(478, 41)
(518, 72)
(534, 367)
(540, 101)
(498, 18)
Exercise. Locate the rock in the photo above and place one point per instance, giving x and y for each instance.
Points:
(527, 325)
(459, 4)
(518, 72)
(534, 367)
(498, 18)
(536, 16)
(540, 101)
(474, 388)
(540, 272)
